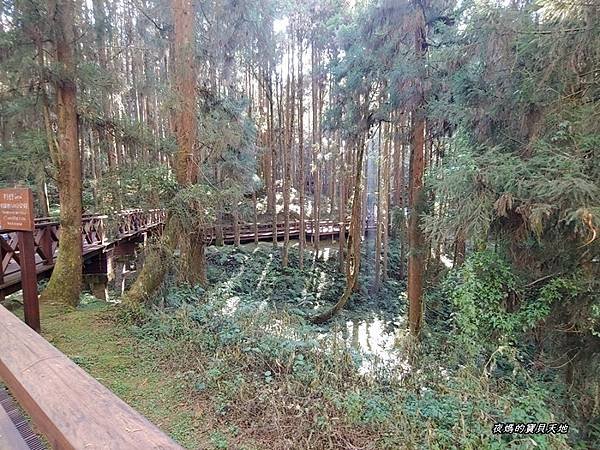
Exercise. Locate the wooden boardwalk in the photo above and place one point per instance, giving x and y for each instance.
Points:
(102, 234)
(99, 235)
(250, 232)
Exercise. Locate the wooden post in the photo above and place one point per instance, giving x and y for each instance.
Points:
(29, 280)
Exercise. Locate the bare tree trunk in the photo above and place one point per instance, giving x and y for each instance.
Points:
(254, 202)
(378, 232)
(287, 150)
(219, 233)
(186, 166)
(398, 163)
(415, 235)
(186, 130)
(42, 187)
(459, 250)
(342, 208)
(267, 136)
(417, 166)
(65, 282)
(316, 143)
(236, 227)
(386, 204)
(302, 242)
(400, 227)
(273, 162)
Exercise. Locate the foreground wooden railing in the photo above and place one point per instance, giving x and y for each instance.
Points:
(72, 409)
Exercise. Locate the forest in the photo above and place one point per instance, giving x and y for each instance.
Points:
(376, 220)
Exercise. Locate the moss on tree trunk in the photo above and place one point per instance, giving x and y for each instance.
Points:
(150, 277)
(65, 283)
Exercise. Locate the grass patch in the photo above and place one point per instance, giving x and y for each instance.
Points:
(92, 337)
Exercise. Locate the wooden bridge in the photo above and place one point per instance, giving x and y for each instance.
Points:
(101, 235)
(106, 237)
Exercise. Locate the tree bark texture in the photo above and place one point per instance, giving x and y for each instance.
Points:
(66, 279)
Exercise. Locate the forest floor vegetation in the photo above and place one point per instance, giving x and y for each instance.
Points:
(240, 366)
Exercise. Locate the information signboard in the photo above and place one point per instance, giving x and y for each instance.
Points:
(16, 209)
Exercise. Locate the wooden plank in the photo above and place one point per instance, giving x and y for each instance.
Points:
(10, 438)
(72, 409)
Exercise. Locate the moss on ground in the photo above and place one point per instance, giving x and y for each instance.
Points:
(105, 348)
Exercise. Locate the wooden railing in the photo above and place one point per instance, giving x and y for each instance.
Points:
(69, 407)
(95, 232)
(251, 230)
(100, 230)
(129, 222)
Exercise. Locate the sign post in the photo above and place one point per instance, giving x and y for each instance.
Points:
(16, 214)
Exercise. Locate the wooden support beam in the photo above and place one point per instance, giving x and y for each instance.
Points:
(31, 304)
(98, 285)
(125, 248)
(72, 409)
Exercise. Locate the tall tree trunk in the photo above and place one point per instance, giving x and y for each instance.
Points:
(186, 126)
(302, 242)
(236, 227)
(273, 167)
(65, 282)
(400, 227)
(315, 150)
(189, 241)
(386, 204)
(255, 204)
(415, 235)
(219, 233)
(265, 97)
(289, 143)
(398, 162)
(42, 188)
(342, 207)
(379, 218)
(459, 250)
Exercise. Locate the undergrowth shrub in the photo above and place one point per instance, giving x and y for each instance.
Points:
(267, 378)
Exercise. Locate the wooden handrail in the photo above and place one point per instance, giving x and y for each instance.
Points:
(72, 409)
